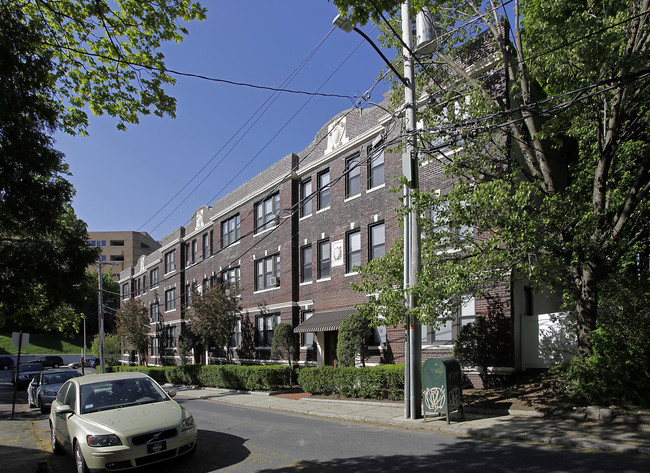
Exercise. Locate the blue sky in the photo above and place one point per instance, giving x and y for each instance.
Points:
(123, 179)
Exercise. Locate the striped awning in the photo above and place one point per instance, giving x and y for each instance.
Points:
(325, 321)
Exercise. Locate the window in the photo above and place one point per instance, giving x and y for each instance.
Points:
(154, 312)
(170, 299)
(206, 245)
(144, 284)
(305, 264)
(353, 251)
(153, 277)
(235, 339)
(305, 198)
(324, 189)
(264, 326)
(125, 291)
(352, 176)
(375, 168)
(96, 242)
(195, 250)
(170, 261)
(155, 346)
(377, 245)
(307, 338)
(323, 259)
(266, 212)
(267, 273)
(452, 235)
(448, 332)
(170, 337)
(231, 278)
(230, 231)
(103, 258)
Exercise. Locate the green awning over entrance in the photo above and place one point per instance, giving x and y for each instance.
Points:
(325, 321)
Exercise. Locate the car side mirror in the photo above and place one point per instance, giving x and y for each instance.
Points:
(64, 409)
(171, 392)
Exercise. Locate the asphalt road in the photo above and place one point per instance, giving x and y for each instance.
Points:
(238, 439)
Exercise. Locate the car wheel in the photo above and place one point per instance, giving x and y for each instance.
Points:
(75, 366)
(56, 448)
(79, 461)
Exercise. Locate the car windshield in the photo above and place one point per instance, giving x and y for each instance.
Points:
(58, 378)
(31, 367)
(113, 394)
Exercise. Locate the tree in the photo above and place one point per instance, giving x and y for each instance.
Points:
(553, 171)
(43, 252)
(213, 316)
(112, 348)
(107, 54)
(132, 322)
(284, 344)
(353, 340)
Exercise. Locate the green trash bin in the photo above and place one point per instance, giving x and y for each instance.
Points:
(441, 386)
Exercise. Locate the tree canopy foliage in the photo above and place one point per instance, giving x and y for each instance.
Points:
(551, 162)
(106, 55)
(213, 316)
(132, 322)
(43, 252)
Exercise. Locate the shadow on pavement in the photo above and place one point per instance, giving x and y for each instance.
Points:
(469, 456)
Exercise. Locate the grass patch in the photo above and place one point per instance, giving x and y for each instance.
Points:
(43, 344)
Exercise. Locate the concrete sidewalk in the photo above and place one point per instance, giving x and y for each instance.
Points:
(629, 435)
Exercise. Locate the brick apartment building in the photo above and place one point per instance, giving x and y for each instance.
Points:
(289, 239)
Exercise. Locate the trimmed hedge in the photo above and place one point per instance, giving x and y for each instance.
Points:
(378, 382)
(249, 378)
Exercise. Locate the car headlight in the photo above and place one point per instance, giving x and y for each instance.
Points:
(188, 421)
(108, 440)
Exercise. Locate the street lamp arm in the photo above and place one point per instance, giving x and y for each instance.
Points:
(404, 80)
(346, 25)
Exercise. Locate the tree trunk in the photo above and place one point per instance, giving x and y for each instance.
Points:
(586, 299)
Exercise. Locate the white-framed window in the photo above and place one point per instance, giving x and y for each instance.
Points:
(323, 189)
(375, 167)
(352, 176)
(448, 332)
(267, 272)
(170, 299)
(235, 339)
(206, 244)
(231, 277)
(230, 229)
(377, 241)
(305, 264)
(306, 199)
(266, 212)
(170, 261)
(352, 250)
(153, 277)
(307, 338)
(125, 291)
(264, 326)
(154, 312)
(324, 259)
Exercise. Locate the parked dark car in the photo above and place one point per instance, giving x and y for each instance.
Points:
(89, 361)
(7, 363)
(45, 386)
(25, 373)
(50, 361)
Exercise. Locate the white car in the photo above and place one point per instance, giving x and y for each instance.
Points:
(118, 421)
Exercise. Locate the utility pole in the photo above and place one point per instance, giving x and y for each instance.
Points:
(413, 358)
(413, 329)
(100, 315)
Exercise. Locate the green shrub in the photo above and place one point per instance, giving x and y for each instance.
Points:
(618, 371)
(183, 374)
(379, 382)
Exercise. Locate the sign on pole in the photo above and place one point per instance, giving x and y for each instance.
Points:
(16, 342)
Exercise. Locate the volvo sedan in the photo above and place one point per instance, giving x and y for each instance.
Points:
(119, 421)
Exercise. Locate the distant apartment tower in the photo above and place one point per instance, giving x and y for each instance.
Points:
(122, 249)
